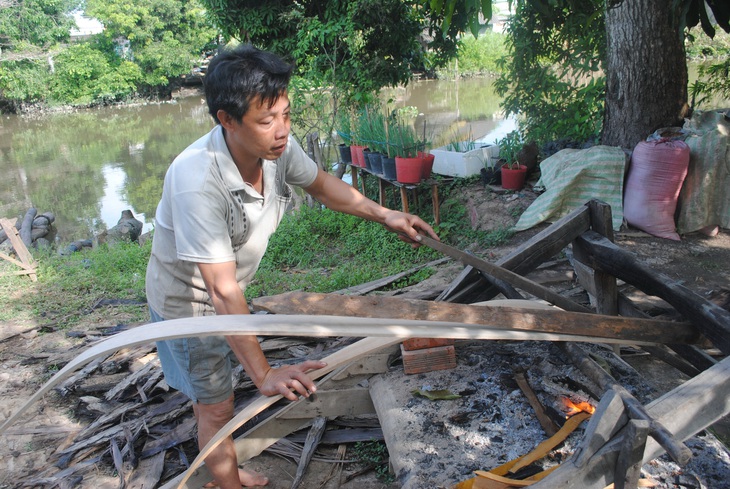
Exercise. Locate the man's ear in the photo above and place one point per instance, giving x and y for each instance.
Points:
(226, 119)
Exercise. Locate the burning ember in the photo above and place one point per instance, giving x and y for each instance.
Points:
(571, 408)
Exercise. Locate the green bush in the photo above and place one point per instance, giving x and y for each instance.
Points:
(478, 56)
(24, 81)
(83, 75)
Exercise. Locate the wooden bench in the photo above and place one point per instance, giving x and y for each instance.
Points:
(404, 188)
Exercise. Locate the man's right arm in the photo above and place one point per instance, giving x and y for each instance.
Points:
(228, 298)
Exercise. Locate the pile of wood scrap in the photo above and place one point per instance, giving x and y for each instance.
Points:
(135, 426)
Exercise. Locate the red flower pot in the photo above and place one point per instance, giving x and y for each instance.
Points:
(513, 178)
(427, 165)
(408, 170)
(357, 157)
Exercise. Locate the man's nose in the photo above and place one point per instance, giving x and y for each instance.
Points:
(282, 129)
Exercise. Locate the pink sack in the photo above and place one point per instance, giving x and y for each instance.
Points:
(654, 180)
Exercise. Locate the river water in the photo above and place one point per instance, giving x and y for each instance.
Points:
(88, 166)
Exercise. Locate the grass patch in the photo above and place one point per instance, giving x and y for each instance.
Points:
(69, 286)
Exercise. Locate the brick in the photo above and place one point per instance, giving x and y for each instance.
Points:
(421, 343)
(428, 359)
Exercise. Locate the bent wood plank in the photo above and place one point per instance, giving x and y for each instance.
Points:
(274, 428)
(711, 320)
(545, 244)
(550, 320)
(684, 411)
(282, 325)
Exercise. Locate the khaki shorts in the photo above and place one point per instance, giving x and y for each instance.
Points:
(200, 368)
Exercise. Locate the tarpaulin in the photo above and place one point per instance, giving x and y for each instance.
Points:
(571, 178)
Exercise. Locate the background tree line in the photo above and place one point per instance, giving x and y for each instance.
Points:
(609, 69)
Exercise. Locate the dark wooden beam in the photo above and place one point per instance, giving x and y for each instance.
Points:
(709, 318)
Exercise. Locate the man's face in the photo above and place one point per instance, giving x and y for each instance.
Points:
(263, 131)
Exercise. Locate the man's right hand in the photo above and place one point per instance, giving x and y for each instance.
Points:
(291, 380)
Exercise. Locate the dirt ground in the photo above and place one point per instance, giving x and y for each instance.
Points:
(29, 356)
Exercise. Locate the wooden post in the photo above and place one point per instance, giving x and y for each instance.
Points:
(600, 285)
(381, 192)
(353, 174)
(404, 198)
(435, 201)
(628, 464)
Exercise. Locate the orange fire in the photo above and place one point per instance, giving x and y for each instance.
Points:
(573, 408)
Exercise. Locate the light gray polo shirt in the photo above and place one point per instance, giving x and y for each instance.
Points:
(207, 214)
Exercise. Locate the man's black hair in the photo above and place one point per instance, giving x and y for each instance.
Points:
(243, 74)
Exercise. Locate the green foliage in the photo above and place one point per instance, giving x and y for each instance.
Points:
(552, 76)
(40, 23)
(166, 36)
(509, 147)
(480, 55)
(84, 75)
(454, 16)
(24, 81)
(713, 82)
(352, 48)
(713, 76)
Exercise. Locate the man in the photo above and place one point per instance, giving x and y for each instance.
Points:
(222, 199)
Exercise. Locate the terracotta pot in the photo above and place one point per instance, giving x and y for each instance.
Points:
(357, 156)
(513, 178)
(408, 170)
(428, 159)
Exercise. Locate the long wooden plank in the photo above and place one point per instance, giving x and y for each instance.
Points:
(684, 411)
(712, 320)
(544, 245)
(550, 320)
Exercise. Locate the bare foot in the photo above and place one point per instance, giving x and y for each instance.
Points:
(248, 479)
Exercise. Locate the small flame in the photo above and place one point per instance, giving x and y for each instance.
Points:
(573, 408)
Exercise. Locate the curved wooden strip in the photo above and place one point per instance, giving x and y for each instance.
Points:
(334, 361)
(292, 325)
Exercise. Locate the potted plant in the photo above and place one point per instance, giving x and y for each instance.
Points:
(513, 174)
(343, 127)
(408, 164)
(491, 174)
(378, 139)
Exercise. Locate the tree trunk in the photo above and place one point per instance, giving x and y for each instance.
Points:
(646, 71)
